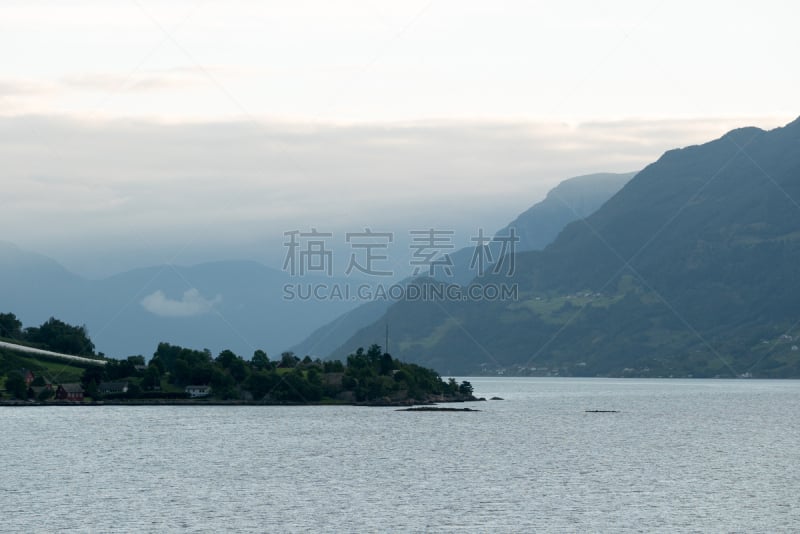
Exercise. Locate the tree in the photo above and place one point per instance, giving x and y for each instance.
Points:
(226, 358)
(238, 370)
(203, 374)
(357, 361)
(92, 376)
(288, 359)
(10, 326)
(15, 384)
(387, 364)
(401, 376)
(118, 369)
(152, 378)
(260, 384)
(158, 363)
(222, 384)
(465, 388)
(62, 337)
(335, 366)
(136, 360)
(260, 360)
(166, 357)
(374, 353)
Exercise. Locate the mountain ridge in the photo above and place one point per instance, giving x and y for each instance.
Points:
(687, 270)
(230, 304)
(535, 227)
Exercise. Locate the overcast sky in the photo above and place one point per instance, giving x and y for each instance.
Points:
(137, 132)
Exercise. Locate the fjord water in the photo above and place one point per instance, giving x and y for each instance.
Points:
(680, 455)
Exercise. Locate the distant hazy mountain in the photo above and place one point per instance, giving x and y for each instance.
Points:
(236, 305)
(691, 269)
(538, 226)
(569, 201)
(26, 277)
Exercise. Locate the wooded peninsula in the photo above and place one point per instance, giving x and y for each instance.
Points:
(179, 375)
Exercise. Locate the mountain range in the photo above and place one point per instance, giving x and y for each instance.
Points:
(231, 304)
(536, 227)
(691, 269)
(688, 269)
(236, 305)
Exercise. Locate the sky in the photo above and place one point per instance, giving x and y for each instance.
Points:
(140, 132)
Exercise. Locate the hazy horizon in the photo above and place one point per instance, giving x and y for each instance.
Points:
(104, 197)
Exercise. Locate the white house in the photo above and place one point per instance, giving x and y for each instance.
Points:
(112, 387)
(198, 391)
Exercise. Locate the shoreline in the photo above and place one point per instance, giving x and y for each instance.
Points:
(195, 402)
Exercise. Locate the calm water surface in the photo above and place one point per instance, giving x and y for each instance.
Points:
(680, 456)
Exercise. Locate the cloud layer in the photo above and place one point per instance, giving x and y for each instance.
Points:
(155, 190)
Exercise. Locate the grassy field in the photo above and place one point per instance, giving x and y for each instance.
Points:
(435, 336)
(550, 309)
(57, 370)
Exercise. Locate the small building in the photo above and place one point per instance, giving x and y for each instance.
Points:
(70, 392)
(198, 391)
(109, 388)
